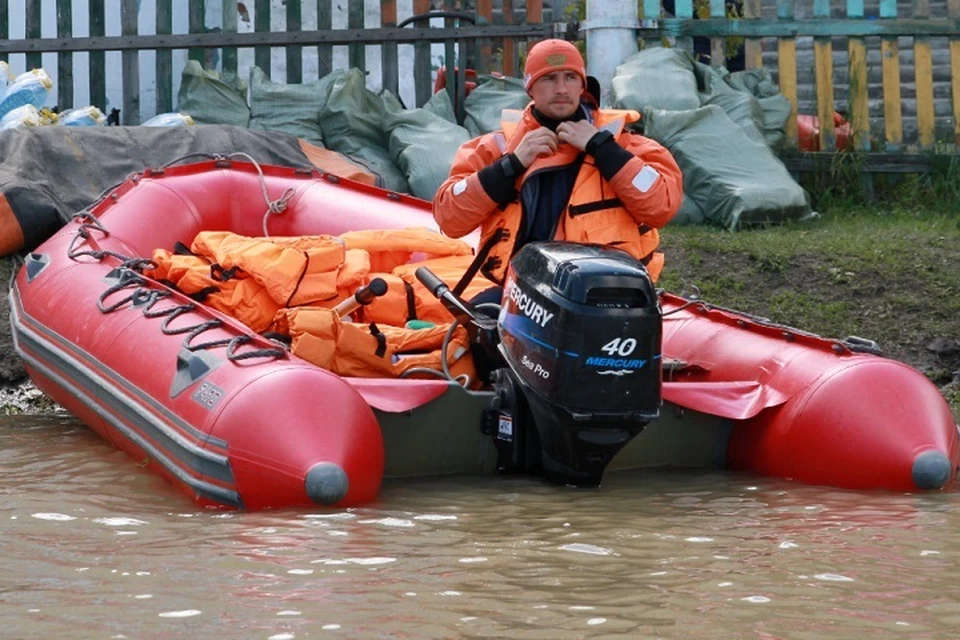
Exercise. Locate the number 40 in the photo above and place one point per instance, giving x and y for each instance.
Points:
(620, 347)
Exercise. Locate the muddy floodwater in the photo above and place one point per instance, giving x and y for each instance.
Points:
(95, 547)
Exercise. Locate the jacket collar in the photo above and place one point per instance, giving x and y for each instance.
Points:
(515, 123)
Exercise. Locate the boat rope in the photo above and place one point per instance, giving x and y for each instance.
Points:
(274, 207)
(463, 379)
(853, 344)
(141, 293)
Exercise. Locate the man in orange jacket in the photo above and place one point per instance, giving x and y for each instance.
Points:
(562, 169)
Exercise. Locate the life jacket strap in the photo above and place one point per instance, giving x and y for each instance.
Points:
(411, 301)
(480, 262)
(381, 340)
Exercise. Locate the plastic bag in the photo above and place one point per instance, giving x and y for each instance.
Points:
(169, 120)
(32, 87)
(88, 116)
(5, 77)
(25, 116)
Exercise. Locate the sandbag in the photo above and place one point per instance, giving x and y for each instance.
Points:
(291, 108)
(440, 105)
(482, 108)
(688, 213)
(656, 78)
(743, 109)
(211, 98)
(352, 123)
(773, 106)
(735, 179)
(422, 144)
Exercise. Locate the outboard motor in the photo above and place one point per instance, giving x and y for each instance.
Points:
(580, 330)
(577, 344)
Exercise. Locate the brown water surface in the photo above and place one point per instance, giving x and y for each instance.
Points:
(94, 547)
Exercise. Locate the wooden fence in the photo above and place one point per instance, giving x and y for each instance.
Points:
(499, 33)
(857, 26)
(488, 44)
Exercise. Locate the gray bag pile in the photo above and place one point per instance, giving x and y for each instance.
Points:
(723, 129)
(410, 151)
(291, 108)
(423, 141)
(211, 98)
(485, 103)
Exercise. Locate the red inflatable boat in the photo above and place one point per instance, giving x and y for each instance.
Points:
(235, 420)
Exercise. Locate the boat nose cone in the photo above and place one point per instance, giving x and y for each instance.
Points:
(327, 483)
(931, 470)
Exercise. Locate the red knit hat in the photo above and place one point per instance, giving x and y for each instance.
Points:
(552, 55)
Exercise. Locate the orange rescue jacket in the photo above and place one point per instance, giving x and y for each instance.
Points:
(624, 212)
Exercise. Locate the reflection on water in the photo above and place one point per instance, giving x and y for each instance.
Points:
(95, 547)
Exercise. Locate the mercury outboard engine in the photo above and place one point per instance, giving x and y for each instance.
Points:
(579, 336)
(580, 330)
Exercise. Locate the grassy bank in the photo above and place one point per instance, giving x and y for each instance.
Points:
(886, 271)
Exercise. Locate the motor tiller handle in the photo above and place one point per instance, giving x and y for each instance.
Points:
(461, 310)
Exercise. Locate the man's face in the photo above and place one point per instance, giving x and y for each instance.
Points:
(557, 94)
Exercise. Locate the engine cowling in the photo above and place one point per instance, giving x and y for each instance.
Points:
(580, 329)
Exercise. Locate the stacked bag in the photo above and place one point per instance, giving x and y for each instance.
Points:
(22, 98)
(408, 150)
(22, 101)
(723, 129)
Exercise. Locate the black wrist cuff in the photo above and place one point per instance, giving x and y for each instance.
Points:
(599, 138)
(608, 156)
(497, 181)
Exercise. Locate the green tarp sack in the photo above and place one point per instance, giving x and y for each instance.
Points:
(422, 142)
(293, 109)
(735, 179)
(656, 78)
(352, 122)
(751, 99)
(482, 108)
(210, 98)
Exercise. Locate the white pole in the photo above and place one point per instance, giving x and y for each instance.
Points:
(611, 38)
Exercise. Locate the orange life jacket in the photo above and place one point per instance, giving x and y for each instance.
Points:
(295, 271)
(251, 278)
(623, 211)
(244, 277)
(406, 299)
(236, 295)
(390, 248)
(369, 350)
